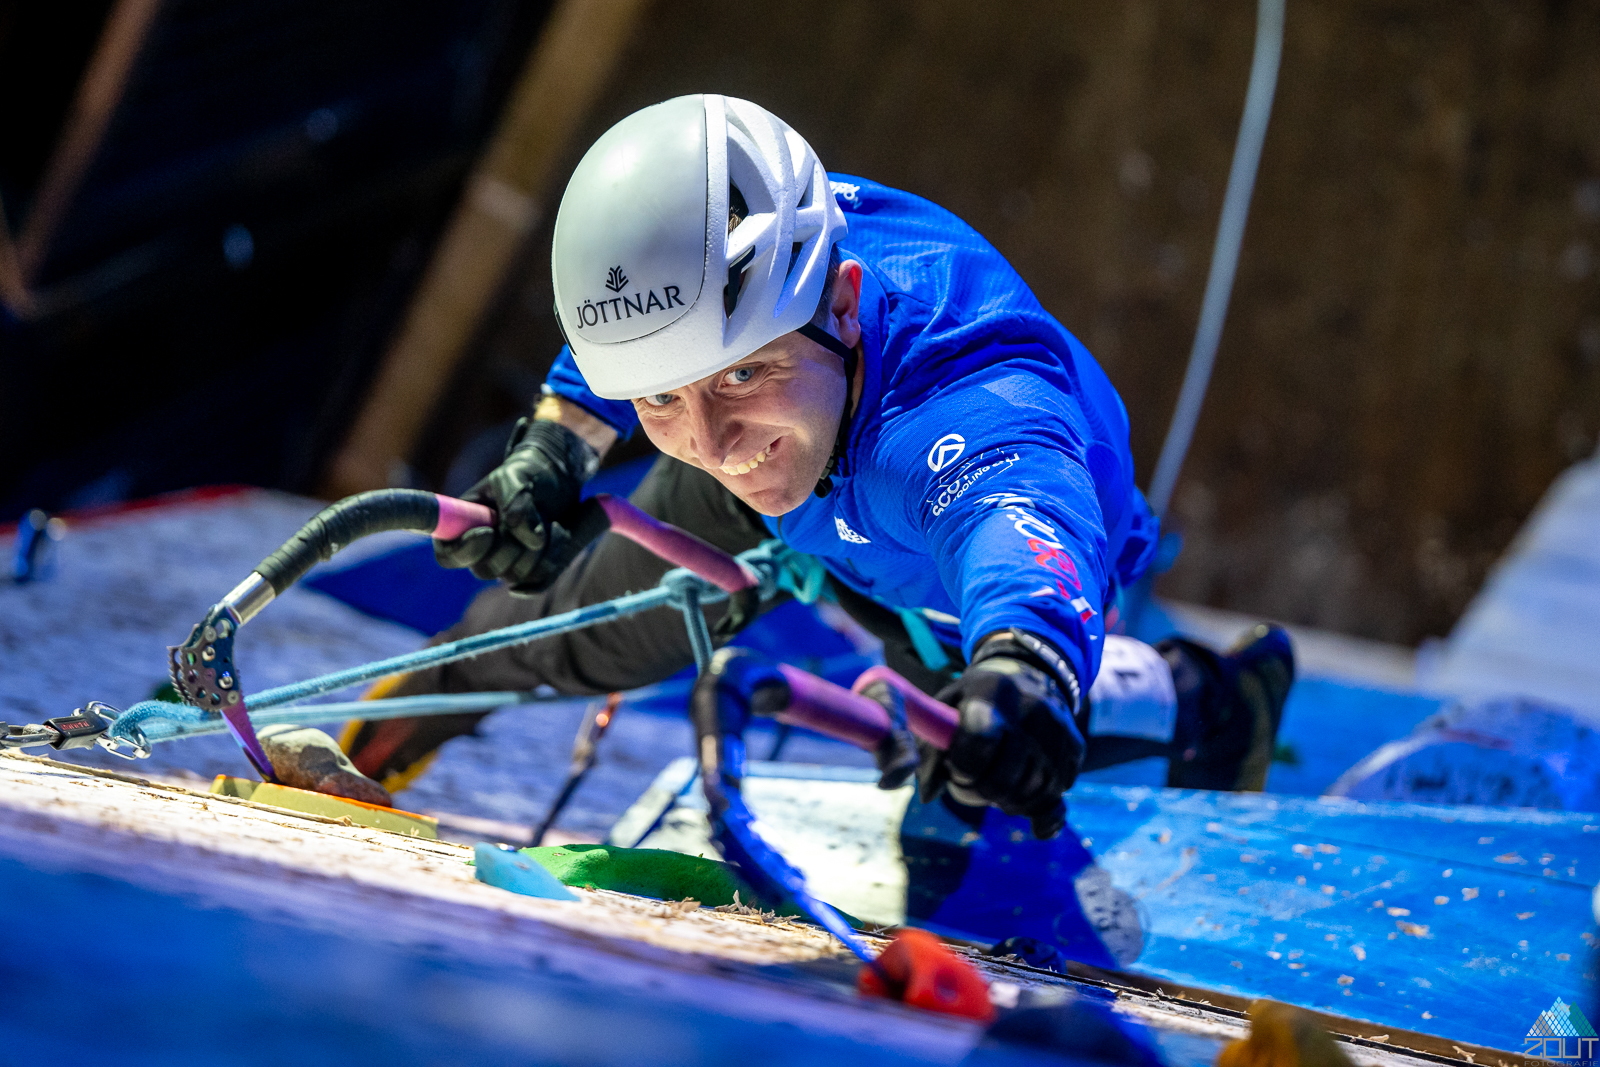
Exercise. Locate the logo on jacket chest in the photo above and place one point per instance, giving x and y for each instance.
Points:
(847, 534)
(945, 451)
(953, 484)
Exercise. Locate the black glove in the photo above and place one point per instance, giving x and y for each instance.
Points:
(533, 492)
(1018, 747)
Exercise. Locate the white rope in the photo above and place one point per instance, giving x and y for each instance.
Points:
(1224, 253)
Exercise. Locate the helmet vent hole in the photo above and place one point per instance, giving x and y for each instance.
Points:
(738, 210)
(731, 291)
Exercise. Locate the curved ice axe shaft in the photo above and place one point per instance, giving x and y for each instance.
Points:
(739, 685)
(202, 667)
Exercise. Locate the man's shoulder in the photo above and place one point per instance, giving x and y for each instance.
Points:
(882, 213)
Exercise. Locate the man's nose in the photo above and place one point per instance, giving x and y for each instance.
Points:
(712, 435)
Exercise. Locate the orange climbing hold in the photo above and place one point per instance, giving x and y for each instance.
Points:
(926, 974)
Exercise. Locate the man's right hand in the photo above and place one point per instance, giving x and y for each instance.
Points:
(533, 491)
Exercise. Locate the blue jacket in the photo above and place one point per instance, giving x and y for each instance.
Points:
(987, 442)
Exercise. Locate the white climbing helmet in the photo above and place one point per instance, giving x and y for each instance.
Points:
(652, 289)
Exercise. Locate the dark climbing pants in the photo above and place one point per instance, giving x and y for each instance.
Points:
(645, 648)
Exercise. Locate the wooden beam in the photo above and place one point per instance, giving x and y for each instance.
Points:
(13, 293)
(504, 199)
(101, 89)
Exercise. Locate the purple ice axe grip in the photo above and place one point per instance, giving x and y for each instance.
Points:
(933, 721)
(456, 517)
(202, 667)
(676, 546)
(845, 714)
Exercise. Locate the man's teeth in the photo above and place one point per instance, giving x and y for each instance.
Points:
(749, 465)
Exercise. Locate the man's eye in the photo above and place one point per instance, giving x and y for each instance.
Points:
(740, 375)
(659, 400)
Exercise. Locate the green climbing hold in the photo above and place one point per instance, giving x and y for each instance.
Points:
(644, 872)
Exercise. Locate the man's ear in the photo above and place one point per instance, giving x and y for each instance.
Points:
(846, 306)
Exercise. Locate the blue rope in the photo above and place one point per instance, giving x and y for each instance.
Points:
(467, 647)
(161, 721)
(166, 721)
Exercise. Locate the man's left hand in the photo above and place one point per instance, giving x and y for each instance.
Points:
(1018, 747)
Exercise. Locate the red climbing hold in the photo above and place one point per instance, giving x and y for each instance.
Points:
(926, 974)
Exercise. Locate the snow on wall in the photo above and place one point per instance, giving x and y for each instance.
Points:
(1533, 629)
(127, 585)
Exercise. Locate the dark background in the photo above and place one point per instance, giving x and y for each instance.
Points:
(1412, 351)
(242, 239)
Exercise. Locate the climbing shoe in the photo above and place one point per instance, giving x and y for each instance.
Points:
(1229, 709)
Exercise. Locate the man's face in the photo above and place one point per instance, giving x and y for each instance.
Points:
(764, 427)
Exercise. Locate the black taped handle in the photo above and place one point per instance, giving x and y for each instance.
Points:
(345, 522)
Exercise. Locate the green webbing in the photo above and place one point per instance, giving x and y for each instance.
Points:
(801, 576)
(928, 648)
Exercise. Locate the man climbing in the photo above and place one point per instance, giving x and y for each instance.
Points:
(853, 370)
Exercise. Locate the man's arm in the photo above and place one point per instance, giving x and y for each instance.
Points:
(1012, 518)
(565, 382)
(597, 435)
(994, 477)
(536, 487)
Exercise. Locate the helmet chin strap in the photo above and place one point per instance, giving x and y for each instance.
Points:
(813, 332)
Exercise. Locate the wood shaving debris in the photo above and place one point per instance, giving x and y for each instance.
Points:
(1413, 929)
(1360, 953)
(1470, 893)
(1524, 914)
(1345, 979)
(1399, 911)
